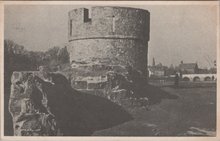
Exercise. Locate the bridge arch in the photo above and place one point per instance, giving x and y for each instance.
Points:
(196, 78)
(207, 78)
(199, 77)
(186, 79)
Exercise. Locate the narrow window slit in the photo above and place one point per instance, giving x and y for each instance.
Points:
(87, 15)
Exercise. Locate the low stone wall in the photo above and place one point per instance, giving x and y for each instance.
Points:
(45, 104)
(28, 106)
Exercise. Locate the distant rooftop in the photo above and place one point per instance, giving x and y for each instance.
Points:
(188, 65)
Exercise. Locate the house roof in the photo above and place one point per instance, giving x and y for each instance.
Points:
(157, 68)
(188, 65)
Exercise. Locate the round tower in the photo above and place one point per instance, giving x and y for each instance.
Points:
(119, 35)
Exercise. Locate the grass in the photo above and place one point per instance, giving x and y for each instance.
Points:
(193, 113)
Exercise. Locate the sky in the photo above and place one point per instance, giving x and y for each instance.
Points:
(177, 32)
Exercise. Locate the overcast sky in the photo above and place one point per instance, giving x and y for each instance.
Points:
(177, 33)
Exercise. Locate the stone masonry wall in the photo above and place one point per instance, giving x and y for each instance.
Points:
(28, 106)
(109, 22)
(106, 40)
(44, 104)
(120, 52)
(118, 33)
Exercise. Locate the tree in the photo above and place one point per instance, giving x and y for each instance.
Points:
(63, 55)
(171, 67)
(56, 56)
(170, 70)
(153, 63)
(52, 53)
(19, 59)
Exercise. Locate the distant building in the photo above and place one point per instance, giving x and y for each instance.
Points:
(157, 71)
(214, 68)
(203, 71)
(188, 68)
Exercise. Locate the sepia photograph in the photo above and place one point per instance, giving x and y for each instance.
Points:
(109, 69)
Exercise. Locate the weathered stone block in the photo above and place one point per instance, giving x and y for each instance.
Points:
(28, 118)
(79, 84)
(96, 85)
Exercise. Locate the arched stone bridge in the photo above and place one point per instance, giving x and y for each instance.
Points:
(199, 77)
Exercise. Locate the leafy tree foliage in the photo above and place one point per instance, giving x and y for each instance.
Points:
(17, 58)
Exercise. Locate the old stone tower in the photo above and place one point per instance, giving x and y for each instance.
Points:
(108, 52)
(107, 39)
